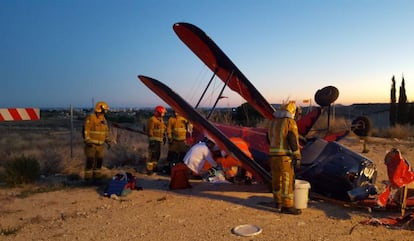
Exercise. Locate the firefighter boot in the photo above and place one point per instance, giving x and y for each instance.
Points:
(290, 210)
(150, 168)
(88, 176)
(278, 206)
(155, 166)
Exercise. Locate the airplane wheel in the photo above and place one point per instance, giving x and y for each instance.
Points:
(326, 95)
(361, 126)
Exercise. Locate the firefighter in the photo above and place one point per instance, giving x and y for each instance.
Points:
(96, 134)
(284, 156)
(156, 136)
(177, 127)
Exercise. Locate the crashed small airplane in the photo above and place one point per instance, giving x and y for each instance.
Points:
(332, 169)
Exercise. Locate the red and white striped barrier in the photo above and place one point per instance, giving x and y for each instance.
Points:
(19, 114)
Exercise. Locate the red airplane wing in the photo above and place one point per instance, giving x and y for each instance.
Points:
(222, 66)
(179, 104)
(218, 62)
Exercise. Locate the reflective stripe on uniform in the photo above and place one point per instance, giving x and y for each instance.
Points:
(153, 138)
(156, 129)
(279, 152)
(277, 133)
(177, 128)
(97, 137)
(179, 134)
(96, 129)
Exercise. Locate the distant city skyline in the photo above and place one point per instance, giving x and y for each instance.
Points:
(68, 52)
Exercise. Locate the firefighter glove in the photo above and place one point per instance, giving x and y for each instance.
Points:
(296, 162)
(212, 172)
(88, 141)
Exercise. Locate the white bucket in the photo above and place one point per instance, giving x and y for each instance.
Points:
(301, 194)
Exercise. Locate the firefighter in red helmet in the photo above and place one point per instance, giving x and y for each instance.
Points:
(156, 135)
(96, 134)
(284, 154)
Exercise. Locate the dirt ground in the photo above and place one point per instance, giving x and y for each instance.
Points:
(207, 211)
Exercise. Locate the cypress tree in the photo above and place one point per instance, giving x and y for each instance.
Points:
(402, 105)
(393, 105)
(411, 114)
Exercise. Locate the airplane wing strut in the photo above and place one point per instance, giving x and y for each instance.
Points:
(220, 95)
(205, 90)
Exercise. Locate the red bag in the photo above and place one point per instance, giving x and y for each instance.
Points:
(179, 177)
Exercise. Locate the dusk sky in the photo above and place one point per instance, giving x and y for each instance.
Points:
(57, 53)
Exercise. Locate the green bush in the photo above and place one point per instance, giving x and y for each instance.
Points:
(22, 170)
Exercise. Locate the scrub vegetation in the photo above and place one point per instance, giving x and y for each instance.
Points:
(398, 131)
(57, 200)
(33, 150)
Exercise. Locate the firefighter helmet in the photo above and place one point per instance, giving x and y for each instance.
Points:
(290, 107)
(101, 107)
(160, 109)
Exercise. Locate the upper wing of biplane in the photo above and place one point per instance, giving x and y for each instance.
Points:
(179, 104)
(222, 66)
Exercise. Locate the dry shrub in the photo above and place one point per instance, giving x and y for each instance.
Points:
(128, 148)
(336, 124)
(52, 151)
(22, 170)
(60, 153)
(220, 117)
(40, 146)
(57, 152)
(397, 131)
(52, 161)
(320, 127)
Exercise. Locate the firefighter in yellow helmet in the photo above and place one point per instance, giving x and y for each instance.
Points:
(284, 154)
(96, 134)
(177, 127)
(156, 135)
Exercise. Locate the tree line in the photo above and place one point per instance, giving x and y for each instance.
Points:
(401, 112)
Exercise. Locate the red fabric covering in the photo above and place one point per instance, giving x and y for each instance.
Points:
(398, 169)
(403, 221)
(382, 198)
(399, 174)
